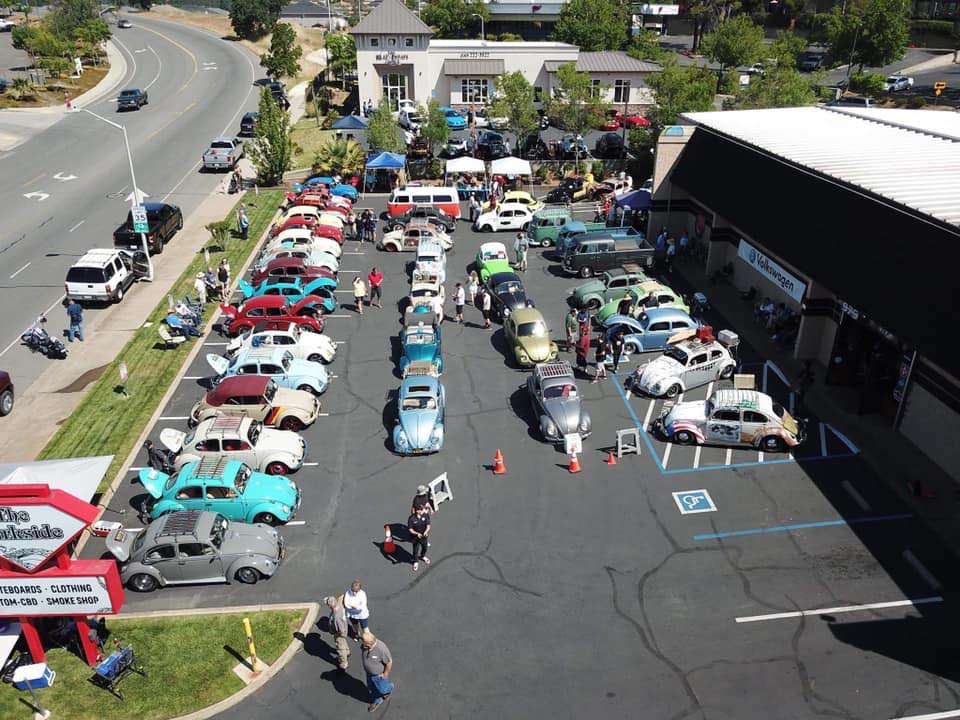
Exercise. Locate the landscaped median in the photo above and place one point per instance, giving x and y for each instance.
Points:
(109, 422)
(188, 659)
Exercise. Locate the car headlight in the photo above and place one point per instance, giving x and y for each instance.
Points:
(285, 508)
(401, 438)
(656, 388)
(584, 422)
(293, 485)
(549, 428)
(436, 434)
(506, 311)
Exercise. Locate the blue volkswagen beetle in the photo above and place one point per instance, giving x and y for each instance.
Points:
(345, 190)
(420, 416)
(275, 362)
(455, 121)
(313, 182)
(295, 289)
(420, 339)
(652, 330)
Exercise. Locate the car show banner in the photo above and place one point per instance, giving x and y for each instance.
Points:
(772, 270)
(89, 587)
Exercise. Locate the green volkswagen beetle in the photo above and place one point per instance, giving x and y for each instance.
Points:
(642, 294)
(492, 258)
(528, 338)
(611, 286)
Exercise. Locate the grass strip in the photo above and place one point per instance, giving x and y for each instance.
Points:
(107, 422)
(189, 662)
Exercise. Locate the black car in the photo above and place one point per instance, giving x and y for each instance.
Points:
(491, 146)
(564, 194)
(132, 99)
(423, 213)
(248, 124)
(507, 294)
(279, 93)
(534, 148)
(609, 146)
(810, 61)
(163, 221)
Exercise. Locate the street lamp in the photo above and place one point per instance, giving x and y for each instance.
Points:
(853, 50)
(483, 35)
(135, 199)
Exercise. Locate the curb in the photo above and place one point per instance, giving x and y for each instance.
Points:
(194, 351)
(943, 60)
(313, 610)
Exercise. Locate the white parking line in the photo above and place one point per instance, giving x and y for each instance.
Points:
(323, 414)
(20, 270)
(729, 456)
(930, 716)
(339, 342)
(823, 440)
(215, 344)
(333, 376)
(666, 455)
(928, 577)
(337, 316)
(857, 497)
(310, 464)
(174, 417)
(192, 377)
(297, 522)
(135, 469)
(696, 455)
(760, 456)
(77, 225)
(646, 419)
(353, 252)
(344, 292)
(840, 609)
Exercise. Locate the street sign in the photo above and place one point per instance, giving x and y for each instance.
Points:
(939, 87)
(694, 501)
(140, 224)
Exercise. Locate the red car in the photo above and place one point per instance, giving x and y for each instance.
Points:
(272, 308)
(328, 231)
(6, 393)
(634, 120)
(294, 221)
(291, 267)
(612, 121)
(308, 197)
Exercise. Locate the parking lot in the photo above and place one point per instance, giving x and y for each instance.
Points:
(683, 582)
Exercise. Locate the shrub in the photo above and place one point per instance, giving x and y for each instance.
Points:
(597, 169)
(942, 27)
(916, 102)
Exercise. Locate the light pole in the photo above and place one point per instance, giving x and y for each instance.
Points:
(483, 35)
(135, 199)
(853, 50)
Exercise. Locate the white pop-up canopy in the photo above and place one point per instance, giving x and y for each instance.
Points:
(510, 166)
(465, 164)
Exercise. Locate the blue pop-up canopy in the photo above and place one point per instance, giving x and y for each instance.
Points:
(386, 161)
(351, 122)
(636, 200)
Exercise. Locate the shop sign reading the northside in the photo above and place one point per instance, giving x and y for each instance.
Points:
(772, 270)
(32, 530)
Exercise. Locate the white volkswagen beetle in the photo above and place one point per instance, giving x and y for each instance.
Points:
(408, 239)
(303, 344)
(509, 216)
(687, 364)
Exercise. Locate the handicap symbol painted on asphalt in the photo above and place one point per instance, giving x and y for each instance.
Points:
(694, 501)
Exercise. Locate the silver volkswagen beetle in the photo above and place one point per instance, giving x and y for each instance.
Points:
(556, 400)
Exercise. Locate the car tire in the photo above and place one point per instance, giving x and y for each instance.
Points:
(390, 248)
(6, 402)
(772, 443)
(267, 519)
(291, 422)
(525, 226)
(397, 226)
(316, 357)
(307, 388)
(487, 228)
(119, 296)
(593, 304)
(277, 468)
(180, 222)
(143, 583)
(545, 243)
(585, 271)
(247, 575)
(727, 372)
(684, 437)
(673, 390)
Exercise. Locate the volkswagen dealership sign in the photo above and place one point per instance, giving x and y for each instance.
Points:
(772, 271)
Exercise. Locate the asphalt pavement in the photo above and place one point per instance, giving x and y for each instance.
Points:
(678, 583)
(65, 190)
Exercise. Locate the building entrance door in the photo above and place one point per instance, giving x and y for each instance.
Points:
(394, 88)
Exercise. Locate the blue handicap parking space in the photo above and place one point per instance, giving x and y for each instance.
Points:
(694, 501)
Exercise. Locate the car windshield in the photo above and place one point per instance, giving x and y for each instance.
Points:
(532, 329)
(508, 287)
(494, 255)
(677, 354)
(286, 361)
(560, 391)
(254, 434)
(423, 292)
(419, 337)
(778, 410)
(452, 113)
(270, 391)
(419, 403)
(219, 530)
(129, 93)
(138, 542)
(242, 477)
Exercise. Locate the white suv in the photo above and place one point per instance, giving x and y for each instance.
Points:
(102, 275)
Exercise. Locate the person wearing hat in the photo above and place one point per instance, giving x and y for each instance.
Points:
(339, 629)
(422, 501)
(418, 525)
(201, 288)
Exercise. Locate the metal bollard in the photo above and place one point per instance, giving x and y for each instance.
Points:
(248, 631)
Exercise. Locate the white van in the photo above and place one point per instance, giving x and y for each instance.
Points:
(104, 274)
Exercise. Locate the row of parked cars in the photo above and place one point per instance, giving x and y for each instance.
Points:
(213, 509)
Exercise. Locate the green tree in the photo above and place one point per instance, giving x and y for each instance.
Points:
(383, 133)
(577, 103)
(454, 18)
(738, 41)
(434, 130)
(780, 87)
(868, 83)
(679, 90)
(144, 5)
(872, 33)
(68, 15)
(26, 9)
(513, 100)
(787, 48)
(339, 156)
(21, 89)
(341, 55)
(252, 19)
(645, 45)
(593, 25)
(272, 150)
(283, 58)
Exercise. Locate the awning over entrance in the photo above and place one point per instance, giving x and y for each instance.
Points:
(472, 67)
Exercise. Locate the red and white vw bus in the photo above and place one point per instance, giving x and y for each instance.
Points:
(409, 196)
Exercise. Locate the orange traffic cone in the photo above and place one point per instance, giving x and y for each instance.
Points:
(611, 458)
(574, 466)
(388, 545)
(498, 467)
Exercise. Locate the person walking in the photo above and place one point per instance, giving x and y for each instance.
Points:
(375, 281)
(485, 304)
(473, 287)
(359, 293)
(520, 246)
(352, 224)
(418, 525)
(74, 320)
(571, 325)
(474, 208)
(340, 629)
(616, 349)
(355, 605)
(377, 664)
(600, 356)
(223, 278)
(200, 287)
(671, 254)
(459, 298)
(583, 349)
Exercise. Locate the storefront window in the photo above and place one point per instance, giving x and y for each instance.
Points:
(538, 94)
(374, 42)
(474, 90)
(595, 87)
(394, 88)
(408, 42)
(621, 91)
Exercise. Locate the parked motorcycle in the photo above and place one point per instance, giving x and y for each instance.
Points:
(39, 340)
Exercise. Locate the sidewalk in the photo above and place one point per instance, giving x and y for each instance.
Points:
(57, 392)
(891, 456)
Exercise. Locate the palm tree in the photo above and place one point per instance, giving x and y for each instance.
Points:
(336, 155)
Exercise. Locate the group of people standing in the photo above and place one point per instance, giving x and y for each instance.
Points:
(606, 349)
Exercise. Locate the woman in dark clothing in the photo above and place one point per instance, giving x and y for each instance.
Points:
(583, 349)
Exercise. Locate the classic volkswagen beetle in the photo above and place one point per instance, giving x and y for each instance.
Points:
(687, 364)
(424, 287)
(492, 258)
(507, 293)
(408, 239)
(528, 338)
(275, 308)
(645, 296)
(655, 329)
(420, 340)
(229, 487)
(303, 344)
(274, 362)
(556, 401)
(420, 408)
(731, 417)
(259, 397)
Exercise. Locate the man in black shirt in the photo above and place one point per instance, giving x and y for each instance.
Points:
(419, 526)
(624, 306)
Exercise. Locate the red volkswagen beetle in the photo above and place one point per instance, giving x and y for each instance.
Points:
(291, 267)
(272, 308)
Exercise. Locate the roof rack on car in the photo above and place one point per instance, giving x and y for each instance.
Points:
(211, 466)
(226, 422)
(555, 369)
(180, 523)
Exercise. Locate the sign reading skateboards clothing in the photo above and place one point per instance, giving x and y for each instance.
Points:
(90, 587)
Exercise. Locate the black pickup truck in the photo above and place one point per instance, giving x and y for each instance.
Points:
(163, 221)
(132, 99)
(594, 254)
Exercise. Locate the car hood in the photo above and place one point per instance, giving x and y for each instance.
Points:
(513, 300)
(420, 352)
(657, 370)
(278, 488)
(287, 398)
(310, 369)
(243, 539)
(417, 426)
(153, 481)
(565, 413)
(537, 348)
(119, 542)
(281, 440)
(693, 411)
